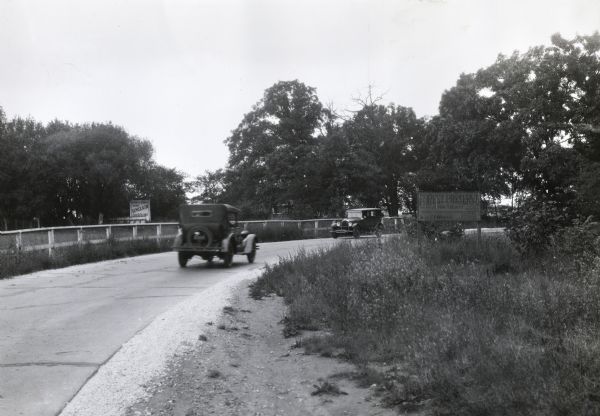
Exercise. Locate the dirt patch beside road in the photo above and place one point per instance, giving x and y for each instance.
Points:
(243, 365)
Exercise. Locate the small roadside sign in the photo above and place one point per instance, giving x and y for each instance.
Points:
(139, 210)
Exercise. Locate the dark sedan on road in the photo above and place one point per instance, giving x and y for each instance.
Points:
(359, 221)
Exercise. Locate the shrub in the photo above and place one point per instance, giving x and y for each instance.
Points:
(534, 223)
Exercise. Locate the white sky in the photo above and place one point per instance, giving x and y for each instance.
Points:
(182, 73)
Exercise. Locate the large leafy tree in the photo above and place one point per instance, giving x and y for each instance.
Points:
(20, 141)
(62, 174)
(89, 170)
(527, 123)
(380, 155)
(273, 151)
(470, 147)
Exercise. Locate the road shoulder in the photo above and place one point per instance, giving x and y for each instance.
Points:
(242, 364)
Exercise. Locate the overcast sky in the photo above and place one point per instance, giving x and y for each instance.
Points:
(182, 73)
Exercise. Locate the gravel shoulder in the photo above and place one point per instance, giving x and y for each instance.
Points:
(242, 365)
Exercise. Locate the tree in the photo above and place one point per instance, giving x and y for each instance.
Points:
(89, 170)
(273, 151)
(19, 140)
(210, 187)
(164, 187)
(518, 124)
(380, 157)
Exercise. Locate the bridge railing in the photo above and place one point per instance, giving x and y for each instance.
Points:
(58, 237)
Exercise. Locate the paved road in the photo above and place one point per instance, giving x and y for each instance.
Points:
(58, 327)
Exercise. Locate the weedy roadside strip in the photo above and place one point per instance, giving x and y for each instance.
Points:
(460, 329)
(22, 262)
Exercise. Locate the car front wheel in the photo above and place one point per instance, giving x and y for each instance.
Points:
(252, 255)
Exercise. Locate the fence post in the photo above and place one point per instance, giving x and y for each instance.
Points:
(395, 225)
(158, 233)
(419, 236)
(19, 240)
(108, 232)
(134, 232)
(316, 228)
(80, 235)
(50, 241)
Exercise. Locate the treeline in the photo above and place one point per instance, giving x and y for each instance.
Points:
(65, 174)
(527, 126)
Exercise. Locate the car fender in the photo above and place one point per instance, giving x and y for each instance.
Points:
(248, 242)
(227, 241)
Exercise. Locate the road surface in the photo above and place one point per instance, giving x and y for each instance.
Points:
(58, 327)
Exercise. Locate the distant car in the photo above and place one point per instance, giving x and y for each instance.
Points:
(212, 230)
(359, 221)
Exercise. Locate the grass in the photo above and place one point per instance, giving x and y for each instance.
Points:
(17, 263)
(476, 330)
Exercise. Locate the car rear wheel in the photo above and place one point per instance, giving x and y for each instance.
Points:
(334, 235)
(228, 257)
(182, 258)
(252, 255)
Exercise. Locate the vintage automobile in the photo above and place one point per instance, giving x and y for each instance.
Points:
(212, 230)
(358, 221)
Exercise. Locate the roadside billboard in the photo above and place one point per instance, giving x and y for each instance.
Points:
(448, 206)
(139, 210)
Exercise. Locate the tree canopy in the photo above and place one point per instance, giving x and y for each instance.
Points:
(76, 174)
(527, 125)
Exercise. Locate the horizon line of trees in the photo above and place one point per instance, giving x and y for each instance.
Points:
(528, 126)
(65, 174)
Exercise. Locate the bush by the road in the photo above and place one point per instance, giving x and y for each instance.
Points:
(464, 329)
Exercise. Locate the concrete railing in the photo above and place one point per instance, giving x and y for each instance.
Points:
(58, 237)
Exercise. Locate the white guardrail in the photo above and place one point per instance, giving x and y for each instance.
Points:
(58, 237)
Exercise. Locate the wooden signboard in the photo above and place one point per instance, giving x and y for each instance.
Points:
(448, 206)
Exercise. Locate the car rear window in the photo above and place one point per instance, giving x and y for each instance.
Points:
(201, 214)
